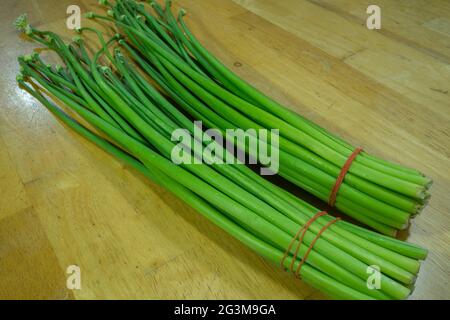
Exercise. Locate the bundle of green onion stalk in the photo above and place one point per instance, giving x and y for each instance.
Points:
(381, 194)
(112, 104)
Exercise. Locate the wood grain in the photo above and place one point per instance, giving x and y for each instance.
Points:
(64, 202)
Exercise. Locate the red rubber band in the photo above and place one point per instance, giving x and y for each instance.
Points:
(300, 240)
(305, 257)
(340, 178)
(304, 228)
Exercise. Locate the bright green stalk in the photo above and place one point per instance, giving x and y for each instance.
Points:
(309, 170)
(337, 256)
(310, 275)
(321, 244)
(291, 117)
(216, 197)
(410, 266)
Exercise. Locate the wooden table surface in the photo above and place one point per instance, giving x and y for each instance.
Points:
(64, 202)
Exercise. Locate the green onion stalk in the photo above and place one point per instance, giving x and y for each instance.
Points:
(115, 106)
(381, 194)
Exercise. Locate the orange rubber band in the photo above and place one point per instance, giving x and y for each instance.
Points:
(305, 257)
(341, 176)
(300, 240)
(304, 228)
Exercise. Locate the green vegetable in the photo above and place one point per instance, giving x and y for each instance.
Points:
(132, 119)
(378, 193)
